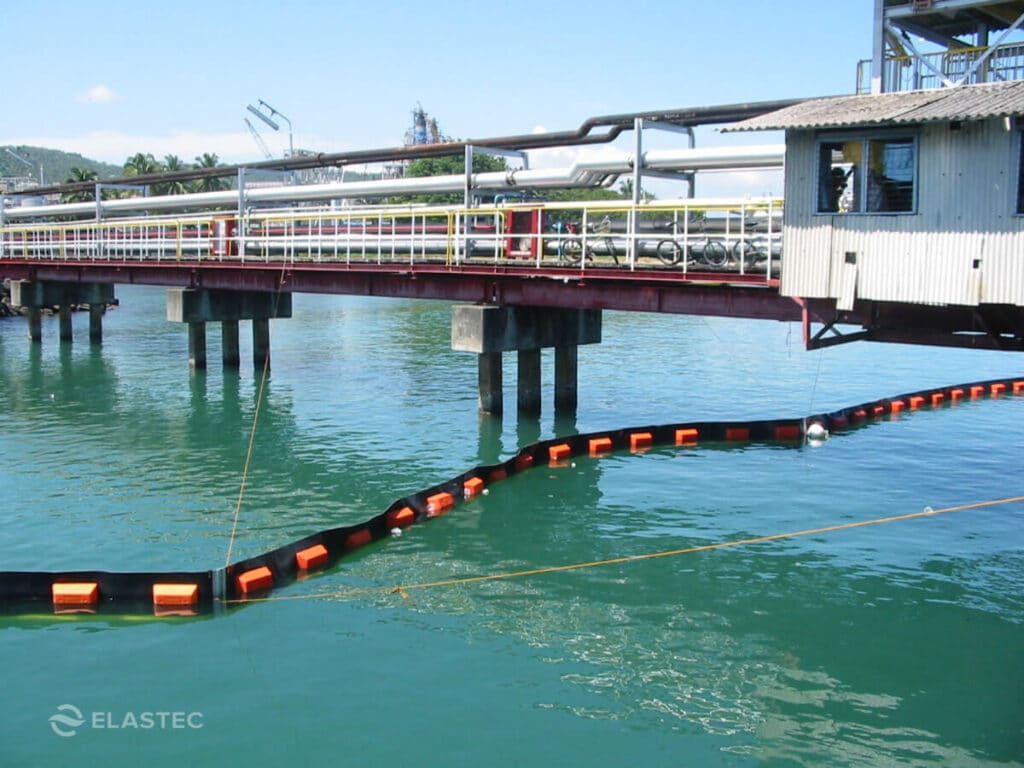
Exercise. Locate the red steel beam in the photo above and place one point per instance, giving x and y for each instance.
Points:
(667, 292)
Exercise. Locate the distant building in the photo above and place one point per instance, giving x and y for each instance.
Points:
(10, 185)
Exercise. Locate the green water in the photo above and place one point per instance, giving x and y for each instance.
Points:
(899, 644)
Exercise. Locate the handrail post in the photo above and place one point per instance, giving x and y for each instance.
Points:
(242, 224)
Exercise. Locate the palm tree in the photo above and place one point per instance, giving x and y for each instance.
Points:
(77, 176)
(141, 164)
(172, 163)
(209, 184)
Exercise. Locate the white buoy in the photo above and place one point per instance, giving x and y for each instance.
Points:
(396, 531)
(817, 431)
(486, 491)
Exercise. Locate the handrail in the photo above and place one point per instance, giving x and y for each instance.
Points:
(906, 73)
(745, 236)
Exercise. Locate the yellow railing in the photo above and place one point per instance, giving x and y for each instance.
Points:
(910, 73)
(742, 237)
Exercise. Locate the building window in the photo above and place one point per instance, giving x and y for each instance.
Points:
(867, 175)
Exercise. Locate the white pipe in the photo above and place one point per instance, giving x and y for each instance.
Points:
(586, 172)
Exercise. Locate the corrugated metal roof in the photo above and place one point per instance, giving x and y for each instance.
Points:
(964, 102)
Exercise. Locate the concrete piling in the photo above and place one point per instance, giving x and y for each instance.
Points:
(230, 355)
(96, 312)
(489, 365)
(490, 330)
(200, 306)
(39, 295)
(197, 345)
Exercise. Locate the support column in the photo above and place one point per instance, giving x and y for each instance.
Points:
(35, 323)
(229, 344)
(197, 345)
(566, 378)
(64, 316)
(529, 382)
(189, 305)
(96, 312)
(489, 380)
(261, 342)
(489, 330)
(34, 296)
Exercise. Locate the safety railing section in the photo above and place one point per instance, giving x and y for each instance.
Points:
(738, 238)
(741, 238)
(383, 235)
(151, 239)
(933, 70)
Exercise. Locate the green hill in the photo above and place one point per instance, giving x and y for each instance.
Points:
(56, 165)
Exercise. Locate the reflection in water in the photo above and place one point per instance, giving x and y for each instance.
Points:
(491, 449)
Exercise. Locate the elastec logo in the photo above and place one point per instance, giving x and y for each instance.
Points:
(67, 720)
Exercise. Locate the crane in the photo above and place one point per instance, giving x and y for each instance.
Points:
(258, 139)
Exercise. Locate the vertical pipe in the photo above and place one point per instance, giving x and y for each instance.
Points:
(878, 47)
(638, 161)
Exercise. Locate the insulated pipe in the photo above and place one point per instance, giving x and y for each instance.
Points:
(587, 172)
(615, 125)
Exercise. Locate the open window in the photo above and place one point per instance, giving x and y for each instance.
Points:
(867, 175)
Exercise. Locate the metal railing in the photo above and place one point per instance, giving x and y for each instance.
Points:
(911, 73)
(735, 238)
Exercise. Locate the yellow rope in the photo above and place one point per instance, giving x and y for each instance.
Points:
(252, 432)
(248, 460)
(403, 590)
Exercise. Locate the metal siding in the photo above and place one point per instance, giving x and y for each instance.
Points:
(966, 198)
(806, 236)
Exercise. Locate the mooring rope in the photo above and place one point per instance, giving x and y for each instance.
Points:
(248, 460)
(252, 431)
(404, 589)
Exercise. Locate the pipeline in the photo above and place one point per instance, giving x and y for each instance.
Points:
(191, 593)
(615, 125)
(586, 172)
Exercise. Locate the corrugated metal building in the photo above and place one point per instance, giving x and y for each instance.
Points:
(913, 197)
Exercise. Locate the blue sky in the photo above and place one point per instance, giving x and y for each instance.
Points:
(109, 79)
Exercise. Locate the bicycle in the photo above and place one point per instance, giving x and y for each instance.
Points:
(748, 251)
(572, 250)
(707, 250)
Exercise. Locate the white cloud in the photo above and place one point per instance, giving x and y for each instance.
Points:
(115, 147)
(98, 94)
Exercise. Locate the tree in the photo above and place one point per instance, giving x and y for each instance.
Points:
(141, 164)
(449, 165)
(211, 183)
(171, 164)
(77, 176)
